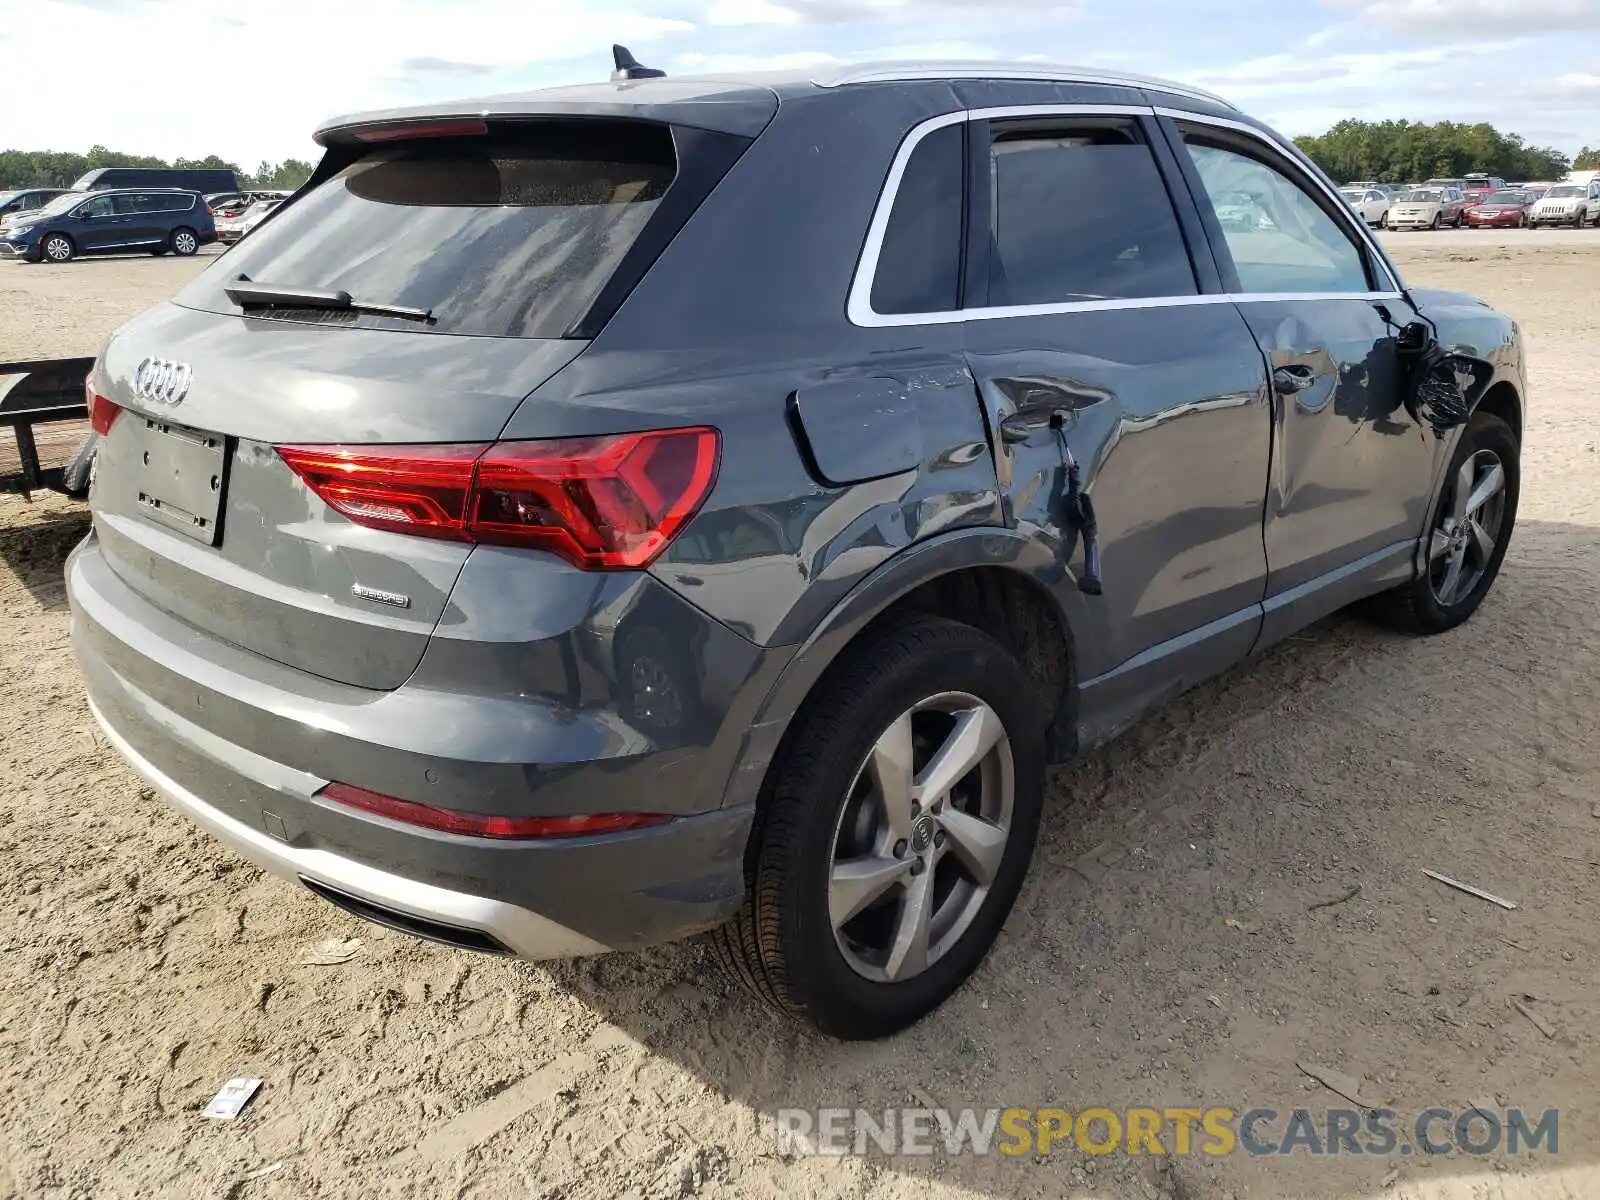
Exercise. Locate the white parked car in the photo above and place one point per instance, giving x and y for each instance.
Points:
(234, 226)
(1571, 204)
(1371, 203)
(1426, 208)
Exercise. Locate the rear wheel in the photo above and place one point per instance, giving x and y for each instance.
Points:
(897, 826)
(58, 248)
(1472, 524)
(184, 242)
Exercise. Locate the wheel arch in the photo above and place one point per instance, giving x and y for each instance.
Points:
(1502, 400)
(993, 579)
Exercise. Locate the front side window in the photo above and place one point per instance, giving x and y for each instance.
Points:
(919, 264)
(1297, 247)
(1078, 211)
(100, 206)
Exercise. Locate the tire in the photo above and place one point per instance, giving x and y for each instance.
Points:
(184, 242)
(1417, 607)
(57, 248)
(1436, 222)
(819, 807)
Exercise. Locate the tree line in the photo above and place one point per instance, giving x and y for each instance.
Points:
(1411, 151)
(60, 169)
(1388, 151)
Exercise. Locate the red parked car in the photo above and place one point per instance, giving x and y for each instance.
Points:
(1498, 209)
(1479, 187)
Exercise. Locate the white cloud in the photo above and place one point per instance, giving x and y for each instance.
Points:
(1286, 71)
(722, 64)
(750, 12)
(1465, 18)
(251, 81)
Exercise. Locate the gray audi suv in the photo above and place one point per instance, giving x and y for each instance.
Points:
(584, 519)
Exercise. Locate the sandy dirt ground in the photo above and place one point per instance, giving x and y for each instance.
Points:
(1166, 951)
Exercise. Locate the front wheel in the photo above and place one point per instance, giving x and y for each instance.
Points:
(58, 248)
(1435, 223)
(897, 824)
(1472, 524)
(184, 242)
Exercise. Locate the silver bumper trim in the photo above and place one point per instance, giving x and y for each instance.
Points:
(523, 932)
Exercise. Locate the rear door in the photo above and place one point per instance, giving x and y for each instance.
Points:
(143, 217)
(509, 240)
(1096, 337)
(1350, 468)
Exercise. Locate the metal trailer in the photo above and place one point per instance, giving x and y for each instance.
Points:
(34, 393)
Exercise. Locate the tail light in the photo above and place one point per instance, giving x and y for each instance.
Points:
(487, 825)
(601, 503)
(102, 412)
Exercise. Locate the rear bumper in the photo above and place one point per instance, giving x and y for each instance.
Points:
(212, 740)
(457, 917)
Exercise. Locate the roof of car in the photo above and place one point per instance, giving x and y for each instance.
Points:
(743, 102)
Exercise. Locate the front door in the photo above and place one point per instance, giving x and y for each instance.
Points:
(1351, 469)
(1091, 343)
(99, 227)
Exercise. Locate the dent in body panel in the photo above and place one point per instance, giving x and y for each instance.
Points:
(1350, 467)
(1167, 415)
(777, 547)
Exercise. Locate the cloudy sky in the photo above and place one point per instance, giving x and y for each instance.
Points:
(250, 79)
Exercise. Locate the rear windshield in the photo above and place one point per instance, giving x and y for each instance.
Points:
(507, 235)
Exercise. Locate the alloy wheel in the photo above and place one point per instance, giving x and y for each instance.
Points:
(58, 249)
(1469, 526)
(921, 837)
(184, 243)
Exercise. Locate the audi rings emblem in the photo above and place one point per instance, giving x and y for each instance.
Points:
(162, 381)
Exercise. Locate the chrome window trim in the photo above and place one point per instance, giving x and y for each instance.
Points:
(1276, 143)
(858, 307)
(890, 72)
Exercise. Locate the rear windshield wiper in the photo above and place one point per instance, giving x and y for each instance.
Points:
(246, 293)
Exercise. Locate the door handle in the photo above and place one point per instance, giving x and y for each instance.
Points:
(1289, 380)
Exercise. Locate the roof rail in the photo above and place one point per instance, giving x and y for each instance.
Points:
(891, 72)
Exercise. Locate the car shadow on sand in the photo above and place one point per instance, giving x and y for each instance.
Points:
(1191, 931)
(35, 540)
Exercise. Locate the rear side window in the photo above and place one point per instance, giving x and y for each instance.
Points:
(1079, 212)
(508, 235)
(919, 265)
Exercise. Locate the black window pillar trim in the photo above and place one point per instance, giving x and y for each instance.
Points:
(704, 157)
(1200, 204)
(977, 247)
(1196, 220)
